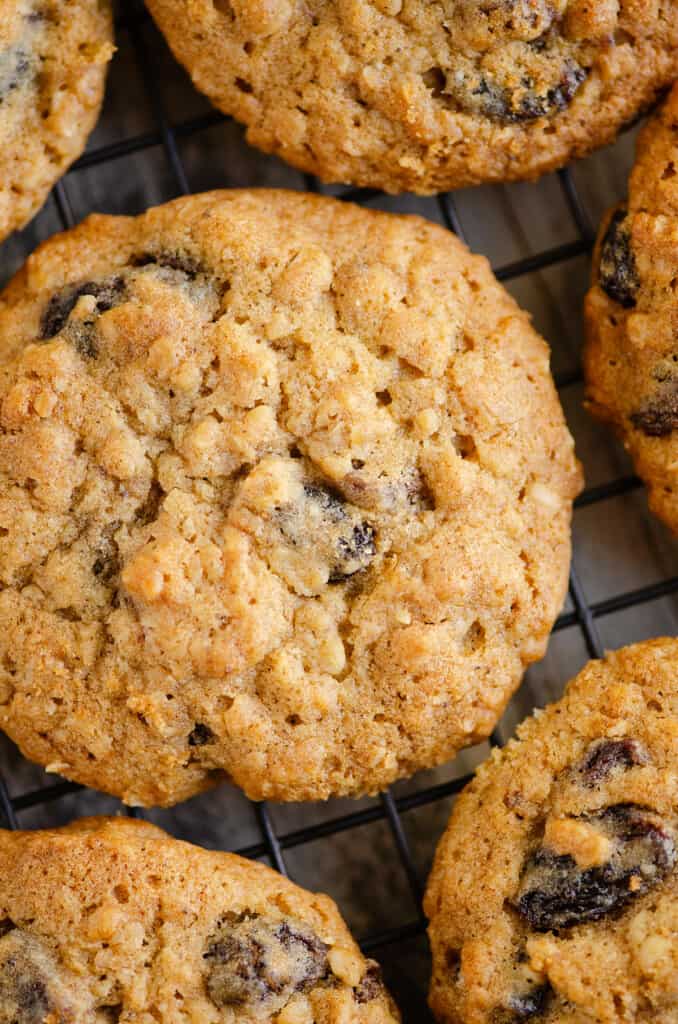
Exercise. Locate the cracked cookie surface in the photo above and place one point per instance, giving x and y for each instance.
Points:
(111, 920)
(53, 60)
(554, 893)
(631, 355)
(411, 95)
(285, 494)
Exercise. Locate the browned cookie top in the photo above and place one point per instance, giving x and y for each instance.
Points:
(285, 493)
(53, 58)
(631, 357)
(554, 895)
(422, 96)
(109, 921)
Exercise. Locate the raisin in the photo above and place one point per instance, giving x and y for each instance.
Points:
(658, 417)
(493, 101)
(107, 563)
(555, 893)
(83, 336)
(24, 996)
(255, 960)
(225, 8)
(149, 510)
(32, 999)
(371, 985)
(385, 492)
(60, 306)
(111, 1013)
(354, 551)
(106, 567)
(15, 67)
(435, 81)
(608, 756)
(529, 1004)
(489, 98)
(200, 735)
(331, 529)
(419, 492)
(329, 500)
(556, 99)
(523, 1006)
(541, 43)
(617, 270)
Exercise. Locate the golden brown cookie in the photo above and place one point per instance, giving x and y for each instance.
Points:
(53, 59)
(631, 356)
(554, 895)
(111, 920)
(410, 95)
(285, 493)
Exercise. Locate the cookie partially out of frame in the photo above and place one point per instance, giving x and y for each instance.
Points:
(285, 493)
(554, 895)
(110, 920)
(411, 95)
(53, 60)
(631, 357)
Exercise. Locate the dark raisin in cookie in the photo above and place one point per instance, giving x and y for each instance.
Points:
(257, 960)
(617, 272)
(554, 894)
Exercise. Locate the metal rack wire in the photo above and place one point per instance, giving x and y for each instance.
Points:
(583, 614)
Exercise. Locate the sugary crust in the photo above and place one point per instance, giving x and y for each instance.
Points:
(287, 496)
(409, 95)
(622, 966)
(630, 357)
(114, 919)
(53, 60)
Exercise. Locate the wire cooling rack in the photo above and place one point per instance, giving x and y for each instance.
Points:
(372, 853)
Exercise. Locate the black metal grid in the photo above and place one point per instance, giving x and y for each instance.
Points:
(583, 615)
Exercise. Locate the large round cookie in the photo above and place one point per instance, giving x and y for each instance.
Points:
(53, 59)
(631, 356)
(554, 895)
(410, 95)
(285, 492)
(111, 920)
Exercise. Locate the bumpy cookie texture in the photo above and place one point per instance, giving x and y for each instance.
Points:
(285, 493)
(53, 59)
(554, 893)
(631, 355)
(410, 95)
(109, 921)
